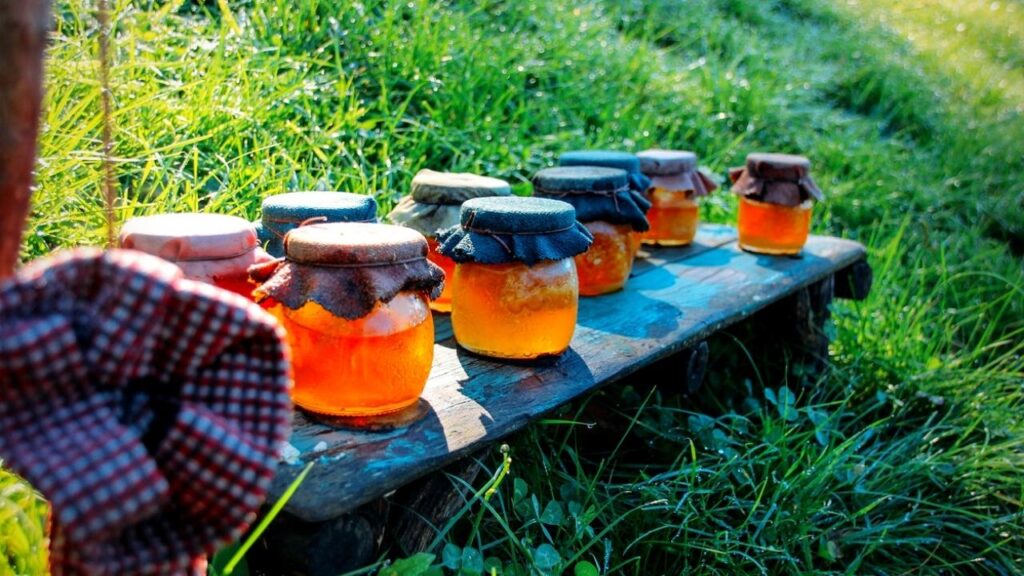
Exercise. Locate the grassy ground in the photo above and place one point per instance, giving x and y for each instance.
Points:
(905, 457)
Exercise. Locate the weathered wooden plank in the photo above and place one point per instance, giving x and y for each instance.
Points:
(677, 298)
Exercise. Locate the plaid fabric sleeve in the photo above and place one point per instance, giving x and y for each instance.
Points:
(146, 407)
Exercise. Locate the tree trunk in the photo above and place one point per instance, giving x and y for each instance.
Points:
(23, 30)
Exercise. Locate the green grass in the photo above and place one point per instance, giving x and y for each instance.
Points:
(905, 457)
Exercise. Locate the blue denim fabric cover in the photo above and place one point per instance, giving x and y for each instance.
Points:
(596, 193)
(609, 159)
(503, 229)
(283, 212)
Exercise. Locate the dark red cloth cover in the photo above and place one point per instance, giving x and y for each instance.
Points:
(149, 409)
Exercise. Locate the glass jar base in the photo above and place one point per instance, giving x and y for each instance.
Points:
(513, 356)
(590, 291)
(673, 243)
(771, 251)
(355, 412)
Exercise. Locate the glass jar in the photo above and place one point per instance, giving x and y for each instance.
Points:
(773, 228)
(284, 212)
(354, 301)
(434, 204)
(676, 184)
(444, 301)
(777, 197)
(611, 211)
(515, 310)
(211, 248)
(515, 291)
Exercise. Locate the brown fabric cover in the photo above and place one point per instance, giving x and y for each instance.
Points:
(348, 268)
(776, 179)
(676, 171)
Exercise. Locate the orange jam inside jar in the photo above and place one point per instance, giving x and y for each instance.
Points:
(773, 228)
(444, 301)
(777, 196)
(372, 365)
(514, 310)
(211, 248)
(612, 212)
(676, 186)
(674, 218)
(354, 302)
(515, 290)
(434, 204)
(605, 267)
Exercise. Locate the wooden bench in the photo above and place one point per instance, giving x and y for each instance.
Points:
(676, 298)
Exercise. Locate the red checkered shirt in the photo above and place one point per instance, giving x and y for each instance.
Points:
(148, 409)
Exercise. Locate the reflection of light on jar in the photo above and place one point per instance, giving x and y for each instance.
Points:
(515, 290)
(354, 301)
(211, 248)
(676, 184)
(433, 205)
(611, 211)
(777, 197)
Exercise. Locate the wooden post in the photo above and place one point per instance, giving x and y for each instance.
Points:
(23, 28)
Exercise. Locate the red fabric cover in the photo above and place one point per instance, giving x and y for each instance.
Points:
(148, 408)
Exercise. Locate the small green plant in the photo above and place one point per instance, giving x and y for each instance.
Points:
(24, 543)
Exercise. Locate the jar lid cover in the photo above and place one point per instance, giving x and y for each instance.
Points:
(605, 158)
(516, 215)
(609, 159)
(354, 244)
(189, 236)
(782, 179)
(297, 207)
(580, 179)
(666, 162)
(348, 268)
(596, 193)
(454, 188)
(506, 229)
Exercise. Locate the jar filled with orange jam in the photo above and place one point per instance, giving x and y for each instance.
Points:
(211, 248)
(434, 205)
(282, 213)
(515, 291)
(676, 186)
(777, 195)
(611, 211)
(354, 301)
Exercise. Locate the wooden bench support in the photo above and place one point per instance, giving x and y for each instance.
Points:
(408, 521)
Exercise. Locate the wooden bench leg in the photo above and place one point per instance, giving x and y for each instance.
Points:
(789, 337)
(407, 520)
(339, 545)
(420, 510)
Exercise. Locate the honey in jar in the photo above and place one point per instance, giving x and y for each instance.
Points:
(610, 210)
(212, 248)
(354, 301)
(284, 212)
(434, 205)
(777, 195)
(515, 291)
(676, 186)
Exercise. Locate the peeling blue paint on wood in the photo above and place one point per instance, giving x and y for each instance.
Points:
(676, 297)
